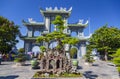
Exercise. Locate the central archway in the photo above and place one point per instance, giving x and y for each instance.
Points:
(36, 50)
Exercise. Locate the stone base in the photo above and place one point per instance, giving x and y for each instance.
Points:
(59, 78)
(20, 63)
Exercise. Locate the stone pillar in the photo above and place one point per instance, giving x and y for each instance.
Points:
(55, 29)
(79, 53)
(47, 23)
(80, 33)
(30, 32)
(28, 47)
(61, 64)
(83, 48)
(69, 31)
(65, 24)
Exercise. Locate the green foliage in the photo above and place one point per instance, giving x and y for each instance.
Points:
(89, 57)
(105, 39)
(59, 23)
(58, 36)
(20, 58)
(116, 59)
(42, 48)
(118, 68)
(66, 75)
(58, 47)
(21, 50)
(73, 51)
(8, 33)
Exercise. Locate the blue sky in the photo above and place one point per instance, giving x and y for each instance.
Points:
(100, 12)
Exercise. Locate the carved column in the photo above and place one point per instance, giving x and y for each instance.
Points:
(30, 32)
(47, 23)
(27, 46)
(80, 33)
(65, 24)
(79, 51)
(82, 49)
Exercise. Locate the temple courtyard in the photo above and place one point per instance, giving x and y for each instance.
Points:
(99, 70)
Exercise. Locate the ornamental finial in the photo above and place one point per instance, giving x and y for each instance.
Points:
(70, 9)
(87, 22)
(55, 8)
(80, 21)
(31, 20)
(61, 8)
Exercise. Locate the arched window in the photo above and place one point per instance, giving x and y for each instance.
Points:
(74, 34)
(36, 33)
(51, 64)
(58, 64)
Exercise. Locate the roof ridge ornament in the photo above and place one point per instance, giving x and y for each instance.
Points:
(87, 22)
(47, 8)
(56, 9)
(80, 21)
(70, 9)
(31, 20)
(64, 9)
(61, 8)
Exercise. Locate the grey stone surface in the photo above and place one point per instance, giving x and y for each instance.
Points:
(98, 70)
(8, 70)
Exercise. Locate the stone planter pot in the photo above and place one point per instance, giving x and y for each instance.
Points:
(34, 64)
(74, 62)
(20, 63)
(60, 78)
(88, 64)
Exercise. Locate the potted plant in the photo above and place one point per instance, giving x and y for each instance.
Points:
(89, 58)
(34, 64)
(20, 59)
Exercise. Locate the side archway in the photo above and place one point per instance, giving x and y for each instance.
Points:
(36, 50)
(73, 52)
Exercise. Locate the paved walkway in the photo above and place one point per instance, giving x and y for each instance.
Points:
(8, 70)
(99, 70)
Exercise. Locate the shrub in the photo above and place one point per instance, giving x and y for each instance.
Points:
(42, 48)
(20, 58)
(89, 57)
(116, 59)
(21, 50)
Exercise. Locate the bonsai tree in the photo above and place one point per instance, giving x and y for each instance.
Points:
(58, 36)
(73, 52)
(43, 48)
(89, 57)
(21, 57)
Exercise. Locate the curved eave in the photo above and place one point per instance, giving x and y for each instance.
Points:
(77, 25)
(83, 39)
(28, 38)
(34, 24)
(55, 12)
